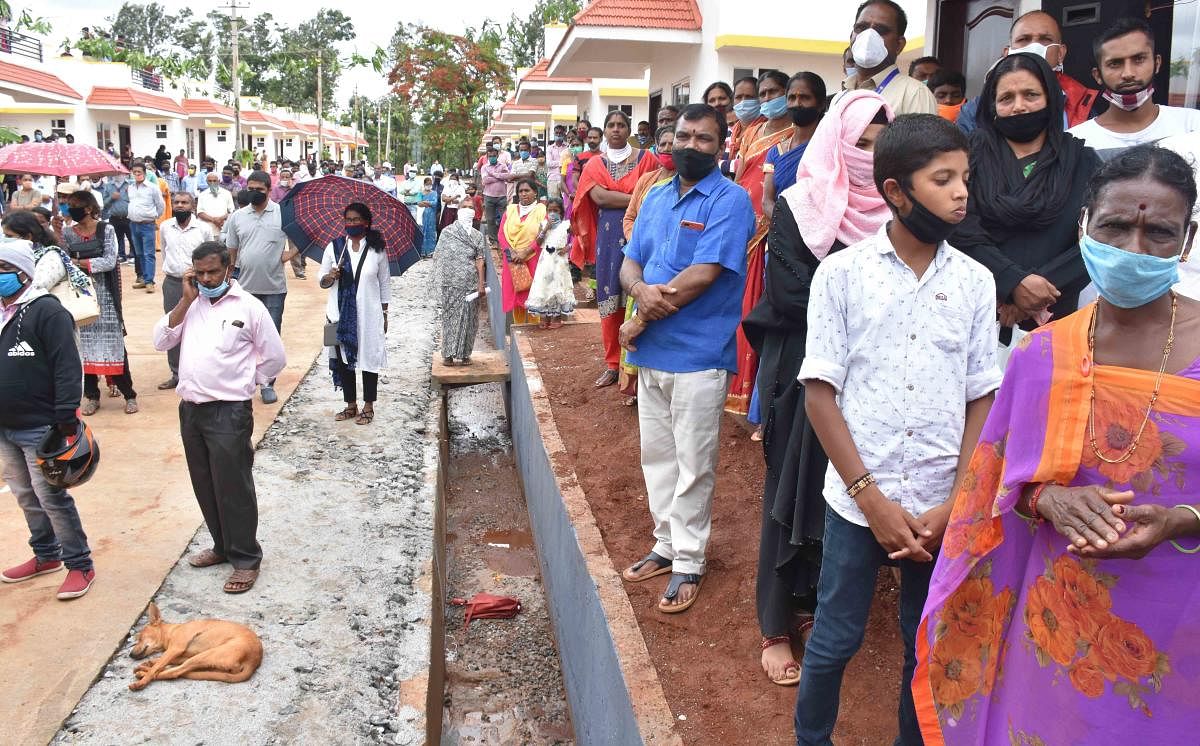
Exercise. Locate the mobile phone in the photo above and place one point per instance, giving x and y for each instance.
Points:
(193, 281)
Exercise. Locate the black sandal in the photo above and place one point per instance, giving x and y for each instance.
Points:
(678, 579)
(664, 566)
(350, 412)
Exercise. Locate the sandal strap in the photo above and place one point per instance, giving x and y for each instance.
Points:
(657, 559)
(770, 642)
(678, 579)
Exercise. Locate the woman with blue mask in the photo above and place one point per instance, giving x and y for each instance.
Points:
(1028, 179)
(747, 116)
(355, 270)
(1081, 516)
(776, 127)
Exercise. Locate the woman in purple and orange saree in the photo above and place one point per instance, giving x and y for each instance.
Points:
(1065, 607)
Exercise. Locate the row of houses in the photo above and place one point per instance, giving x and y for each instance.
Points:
(639, 55)
(103, 102)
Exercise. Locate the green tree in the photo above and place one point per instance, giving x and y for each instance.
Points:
(447, 81)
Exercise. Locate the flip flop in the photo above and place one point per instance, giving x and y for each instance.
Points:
(678, 579)
(664, 566)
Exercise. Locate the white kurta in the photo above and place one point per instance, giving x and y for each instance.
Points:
(374, 289)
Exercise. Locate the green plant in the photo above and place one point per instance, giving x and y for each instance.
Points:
(8, 136)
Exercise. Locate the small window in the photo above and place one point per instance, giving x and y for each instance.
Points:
(160, 131)
(743, 72)
(58, 127)
(626, 109)
(221, 135)
(681, 93)
(260, 142)
(288, 142)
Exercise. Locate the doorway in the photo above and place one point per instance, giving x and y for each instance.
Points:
(123, 138)
(201, 144)
(655, 104)
(971, 36)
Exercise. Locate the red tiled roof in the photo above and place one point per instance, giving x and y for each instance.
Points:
(133, 98)
(512, 104)
(250, 115)
(539, 74)
(24, 76)
(204, 106)
(680, 15)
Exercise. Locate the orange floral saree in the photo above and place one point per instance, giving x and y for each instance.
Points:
(1022, 642)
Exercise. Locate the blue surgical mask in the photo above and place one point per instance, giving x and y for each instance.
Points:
(10, 284)
(747, 111)
(212, 293)
(524, 155)
(1123, 278)
(774, 108)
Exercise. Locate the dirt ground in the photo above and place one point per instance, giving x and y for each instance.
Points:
(503, 681)
(708, 657)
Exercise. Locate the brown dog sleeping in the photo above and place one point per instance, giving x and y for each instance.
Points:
(208, 649)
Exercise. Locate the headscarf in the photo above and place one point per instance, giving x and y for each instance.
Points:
(1001, 195)
(834, 197)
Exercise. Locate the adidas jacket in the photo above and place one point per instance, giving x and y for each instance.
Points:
(41, 376)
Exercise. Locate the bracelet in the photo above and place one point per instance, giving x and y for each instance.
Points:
(1033, 501)
(637, 319)
(860, 484)
(1175, 543)
(639, 282)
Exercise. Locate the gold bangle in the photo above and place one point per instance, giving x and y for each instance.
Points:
(860, 484)
(637, 319)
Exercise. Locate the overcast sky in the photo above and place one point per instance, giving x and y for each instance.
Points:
(374, 21)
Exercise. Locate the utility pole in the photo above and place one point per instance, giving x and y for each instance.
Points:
(388, 150)
(234, 22)
(320, 137)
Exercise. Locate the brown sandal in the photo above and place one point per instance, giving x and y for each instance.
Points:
(791, 669)
(241, 581)
(207, 558)
(365, 417)
(348, 413)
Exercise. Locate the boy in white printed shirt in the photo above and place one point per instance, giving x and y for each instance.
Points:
(899, 376)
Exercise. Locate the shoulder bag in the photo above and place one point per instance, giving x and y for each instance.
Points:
(81, 304)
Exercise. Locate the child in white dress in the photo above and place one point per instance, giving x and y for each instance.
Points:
(552, 295)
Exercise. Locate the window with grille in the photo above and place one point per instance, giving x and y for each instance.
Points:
(160, 131)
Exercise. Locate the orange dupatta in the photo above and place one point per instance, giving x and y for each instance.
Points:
(583, 210)
(754, 158)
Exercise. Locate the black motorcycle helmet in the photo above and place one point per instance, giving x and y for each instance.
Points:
(67, 463)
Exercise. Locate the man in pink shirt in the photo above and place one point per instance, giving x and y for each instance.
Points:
(228, 344)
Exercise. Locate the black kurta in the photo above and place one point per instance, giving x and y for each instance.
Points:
(793, 520)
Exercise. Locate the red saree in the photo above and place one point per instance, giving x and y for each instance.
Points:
(754, 157)
(584, 210)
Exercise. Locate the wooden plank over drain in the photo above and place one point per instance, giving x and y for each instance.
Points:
(487, 366)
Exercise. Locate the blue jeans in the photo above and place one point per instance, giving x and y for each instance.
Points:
(274, 304)
(850, 561)
(55, 531)
(143, 246)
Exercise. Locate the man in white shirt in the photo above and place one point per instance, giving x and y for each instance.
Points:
(1125, 66)
(385, 181)
(179, 238)
(215, 204)
(436, 169)
(554, 159)
(875, 41)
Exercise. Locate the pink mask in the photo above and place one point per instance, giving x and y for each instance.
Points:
(1129, 101)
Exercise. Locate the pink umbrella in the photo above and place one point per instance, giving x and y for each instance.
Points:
(57, 159)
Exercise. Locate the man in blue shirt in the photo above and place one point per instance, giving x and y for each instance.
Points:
(685, 268)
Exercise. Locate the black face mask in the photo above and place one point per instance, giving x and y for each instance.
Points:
(255, 197)
(182, 216)
(923, 224)
(1023, 127)
(693, 165)
(77, 213)
(802, 116)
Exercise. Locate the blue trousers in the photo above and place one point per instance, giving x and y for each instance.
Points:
(850, 561)
(143, 246)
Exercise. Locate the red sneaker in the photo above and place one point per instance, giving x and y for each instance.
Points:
(77, 583)
(30, 569)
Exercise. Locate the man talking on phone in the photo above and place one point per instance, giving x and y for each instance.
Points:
(228, 344)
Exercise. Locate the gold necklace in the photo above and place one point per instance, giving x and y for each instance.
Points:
(1162, 369)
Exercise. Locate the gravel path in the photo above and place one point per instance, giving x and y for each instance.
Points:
(341, 605)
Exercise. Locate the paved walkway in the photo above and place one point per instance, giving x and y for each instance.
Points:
(139, 514)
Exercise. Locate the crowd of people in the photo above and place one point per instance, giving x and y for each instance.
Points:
(223, 252)
(876, 271)
(965, 329)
